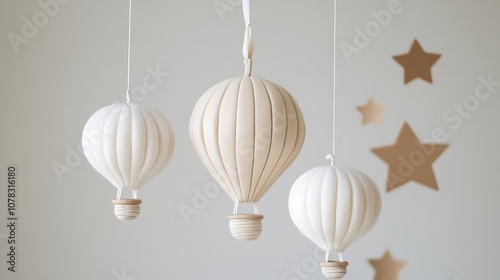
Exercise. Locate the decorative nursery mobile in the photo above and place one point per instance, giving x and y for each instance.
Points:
(410, 160)
(417, 63)
(128, 144)
(247, 131)
(334, 207)
(372, 112)
(387, 268)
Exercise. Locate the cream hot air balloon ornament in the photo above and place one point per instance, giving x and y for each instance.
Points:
(128, 144)
(334, 207)
(247, 131)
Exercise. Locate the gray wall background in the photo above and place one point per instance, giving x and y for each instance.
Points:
(75, 64)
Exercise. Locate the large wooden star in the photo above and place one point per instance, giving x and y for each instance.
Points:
(410, 160)
(387, 268)
(371, 112)
(417, 63)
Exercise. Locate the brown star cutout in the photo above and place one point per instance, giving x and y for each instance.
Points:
(387, 268)
(410, 160)
(417, 63)
(371, 112)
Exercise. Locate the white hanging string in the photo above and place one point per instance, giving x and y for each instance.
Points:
(119, 194)
(327, 257)
(237, 205)
(248, 43)
(128, 55)
(334, 78)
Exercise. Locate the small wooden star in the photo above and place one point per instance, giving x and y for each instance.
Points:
(410, 160)
(417, 63)
(387, 268)
(371, 112)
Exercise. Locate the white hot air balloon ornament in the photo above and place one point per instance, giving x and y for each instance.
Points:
(334, 207)
(128, 144)
(247, 131)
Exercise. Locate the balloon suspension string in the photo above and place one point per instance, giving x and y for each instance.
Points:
(128, 52)
(327, 256)
(334, 79)
(134, 194)
(248, 43)
(119, 194)
(237, 205)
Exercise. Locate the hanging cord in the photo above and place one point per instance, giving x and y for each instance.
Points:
(334, 78)
(119, 194)
(128, 55)
(327, 256)
(248, 43)
(237, 206)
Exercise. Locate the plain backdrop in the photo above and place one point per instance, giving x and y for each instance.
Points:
(74, 62)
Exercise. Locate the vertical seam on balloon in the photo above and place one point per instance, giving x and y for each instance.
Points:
(350, 212)
(119, 174)
(198, 137)
(307, 208)
(262, 185)
(222, 181)
(250, 197)
(131, 147)
(236, 139)
(299, 128)
(321, 214)
(290, 157)
(103, 166)
(169, 140)
(336, 204)
(139, 179)
(377, 204)
(125, 180)
(132, 158)
(364, 203)
(269, 181)
(155, 169)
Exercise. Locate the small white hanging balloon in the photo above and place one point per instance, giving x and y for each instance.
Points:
(128, 144)
(333, 208)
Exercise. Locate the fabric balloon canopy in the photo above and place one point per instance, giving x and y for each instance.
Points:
(334, 207)
(128, 144)
(247, 131)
